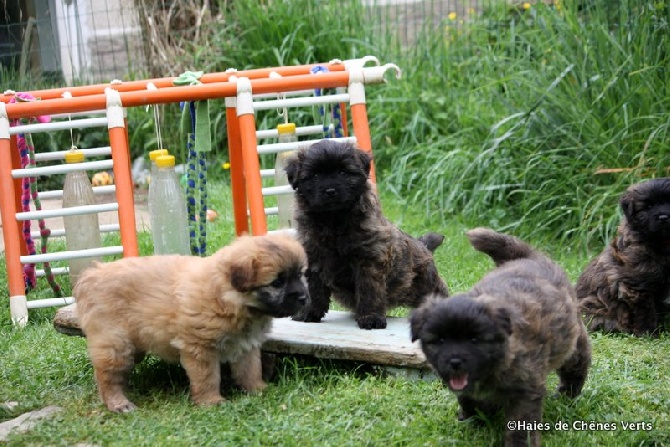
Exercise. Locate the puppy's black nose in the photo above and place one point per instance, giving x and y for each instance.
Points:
(330, 192)
(663, 218)
(302, 299)
(456, 363)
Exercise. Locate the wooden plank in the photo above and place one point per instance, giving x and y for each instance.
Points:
(336, 337)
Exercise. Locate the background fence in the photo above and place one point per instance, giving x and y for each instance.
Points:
(78, 41)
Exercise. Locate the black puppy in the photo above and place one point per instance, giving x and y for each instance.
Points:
(494, 345)
(627, 287)
(353, 251)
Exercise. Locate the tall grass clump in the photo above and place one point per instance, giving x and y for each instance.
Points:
(524, 111)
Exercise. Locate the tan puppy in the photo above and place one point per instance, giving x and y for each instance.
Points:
(196, 311)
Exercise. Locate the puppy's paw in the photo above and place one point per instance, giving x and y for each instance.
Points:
(121, 406)
(371, 322)
(308, 316)
(208, 400)
(255, 387)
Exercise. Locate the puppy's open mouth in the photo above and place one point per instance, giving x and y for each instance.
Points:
(458, 382)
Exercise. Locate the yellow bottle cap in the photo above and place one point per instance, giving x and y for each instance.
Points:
(165, 161)
(286, 128)
(74, 157)
(157, 152)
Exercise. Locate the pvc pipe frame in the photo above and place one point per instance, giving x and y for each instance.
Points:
(245, 173)
(159, 83)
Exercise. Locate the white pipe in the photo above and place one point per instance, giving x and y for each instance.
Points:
(300, 102)
(75, 114)
(50, 302)
(65, 255)
(54, 271)
(61, 232)
(273, 148)
(58, 193)
(4, 122)
(59, 125)
(283, 94)
(60, 155)
(277, 190)
(72, 211)
(115, 111)
(375, 75)
(357, 86)
(63, 168)
(18, 309)
(360, 62)
(299, 131)
(267, 173)
(289, 231)
(245, 103)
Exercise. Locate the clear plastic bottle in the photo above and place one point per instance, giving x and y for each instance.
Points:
(152, 172)
(167, 205)
(81, 231)
(284, 201)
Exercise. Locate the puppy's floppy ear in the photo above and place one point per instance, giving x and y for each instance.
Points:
(243, 271)
(627, 203)
(417, 320)
(292, 169)
(364, 159)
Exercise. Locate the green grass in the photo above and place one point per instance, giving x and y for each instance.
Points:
(501, 123)
(322, 402)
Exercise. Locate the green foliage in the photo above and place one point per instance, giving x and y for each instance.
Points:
(511, 125)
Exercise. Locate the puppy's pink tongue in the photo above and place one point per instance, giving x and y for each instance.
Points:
(457, 383)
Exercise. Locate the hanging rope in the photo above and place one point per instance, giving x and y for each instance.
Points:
(195, 126)
(29, 191)
(334, 116)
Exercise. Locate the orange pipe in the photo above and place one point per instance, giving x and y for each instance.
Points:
(359, 117)
(11, 233)
(18, 188)
(237, 172)
(252, 174)
(176, 94)
(207, 78)
(124, 190)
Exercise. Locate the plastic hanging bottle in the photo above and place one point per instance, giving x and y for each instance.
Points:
(152, 173)
(284, 201)
(167, 205)
(81, 231)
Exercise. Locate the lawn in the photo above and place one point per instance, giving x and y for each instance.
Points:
(322, 402)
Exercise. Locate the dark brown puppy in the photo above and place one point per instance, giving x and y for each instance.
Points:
(200, 312)
(627, 287)
(353, 251)
(495, 345)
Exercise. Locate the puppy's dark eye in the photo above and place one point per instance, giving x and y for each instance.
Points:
(342, 173)
(474, 340)
(278, 282)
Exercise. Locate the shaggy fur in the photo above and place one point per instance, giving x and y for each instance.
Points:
(196, 311)
(495, 345)
(354, 252)
(627, 287)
